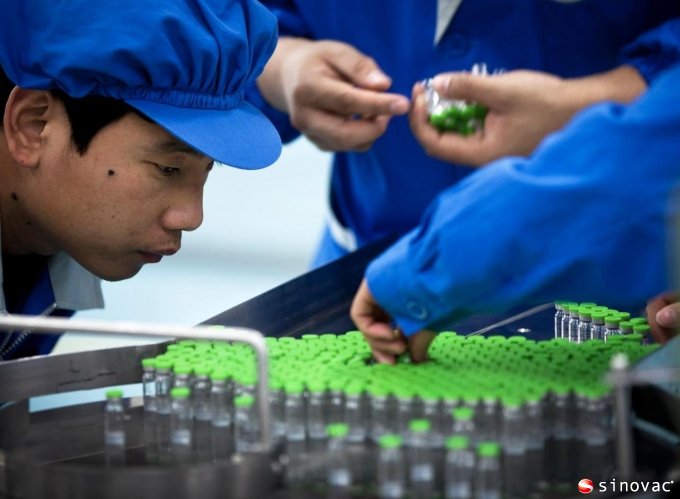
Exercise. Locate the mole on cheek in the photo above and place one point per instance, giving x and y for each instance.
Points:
(111, 173)
(15, 197)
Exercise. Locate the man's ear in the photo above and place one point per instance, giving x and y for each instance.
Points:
(26, 114)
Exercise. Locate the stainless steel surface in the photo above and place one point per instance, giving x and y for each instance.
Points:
(318, 301)
(61, 457)
(512, 319)
(625, 453)
(241, 335)
(30, 377)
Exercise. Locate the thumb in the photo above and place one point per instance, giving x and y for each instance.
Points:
(669, 316)
(466, 86)
(360, 69)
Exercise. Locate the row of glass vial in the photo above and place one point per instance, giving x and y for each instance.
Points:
(586, 321)
(411, 466)
(299, 413)
(180, 436)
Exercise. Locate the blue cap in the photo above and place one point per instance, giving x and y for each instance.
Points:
(183, 63)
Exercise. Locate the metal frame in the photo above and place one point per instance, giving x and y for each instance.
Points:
(51, 325)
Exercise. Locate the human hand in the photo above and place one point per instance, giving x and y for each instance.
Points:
(386, 341)
(663, 316)
(523, 107)
(334, 94)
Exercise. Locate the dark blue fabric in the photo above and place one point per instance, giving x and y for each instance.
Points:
(590, 217)
(386, 190)
(38, 300)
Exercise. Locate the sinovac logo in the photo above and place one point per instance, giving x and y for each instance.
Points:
(586, 486)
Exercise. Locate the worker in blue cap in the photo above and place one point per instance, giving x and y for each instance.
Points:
(114, 113)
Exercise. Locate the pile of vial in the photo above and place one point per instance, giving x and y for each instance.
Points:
(579, 322)
(455, 115)
(474, 421)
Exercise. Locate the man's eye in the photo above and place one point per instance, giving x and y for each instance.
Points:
(167, 171)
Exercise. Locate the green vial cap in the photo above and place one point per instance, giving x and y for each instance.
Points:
(203, 370)
(624, 316)
(163, 364)
(244, 401)
(626, 325)
(180, 392)
(182, 369)
(488, 449)
(638, 320)
(114, 393)
(419, 425)
(390, 441)
(612, 320)
(219, 375)
(587, 304)
(457, 442)
(642, 329)
(337, 430)
(149, 363)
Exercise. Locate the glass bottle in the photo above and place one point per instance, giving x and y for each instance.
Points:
(246, 432)
(221, 415)
(612, 324)
(573, 323)
(513, 432)
(202, 408)
(566, 318)
(420, 458)
(339, 471)
(163, 385)
(182, 374)
(181, 424)
(584, 324)
(317, 417)
(114, 428)
(559, 313)
(149, 384)
(391, 467)
(277, 406)
(487, 481)
(459, 468)
(295, 412)
(463, 423)
(355, 414)
(598, 328)
(200, 392)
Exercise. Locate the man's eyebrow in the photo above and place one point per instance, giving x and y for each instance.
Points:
(171, 146)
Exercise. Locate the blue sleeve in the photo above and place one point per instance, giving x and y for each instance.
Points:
(655, 51)
(583, 219)
(290, 23)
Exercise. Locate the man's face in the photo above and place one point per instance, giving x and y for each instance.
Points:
(124, 202)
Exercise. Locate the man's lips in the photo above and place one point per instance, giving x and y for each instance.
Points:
(157, 255)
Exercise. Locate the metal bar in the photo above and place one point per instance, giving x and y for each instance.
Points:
(53, 325)
(514, 318)
(625, 454)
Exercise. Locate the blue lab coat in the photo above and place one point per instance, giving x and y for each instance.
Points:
(385, 191)
(592, 215)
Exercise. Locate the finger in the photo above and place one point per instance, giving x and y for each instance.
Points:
(336, 133)
(340, 97)
(395, 345)
(358, 68)
(669, 316)
(466, 86)
(659, 332)
(383, 358)
(418, 345)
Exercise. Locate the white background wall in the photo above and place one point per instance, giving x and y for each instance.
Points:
(260, 230)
